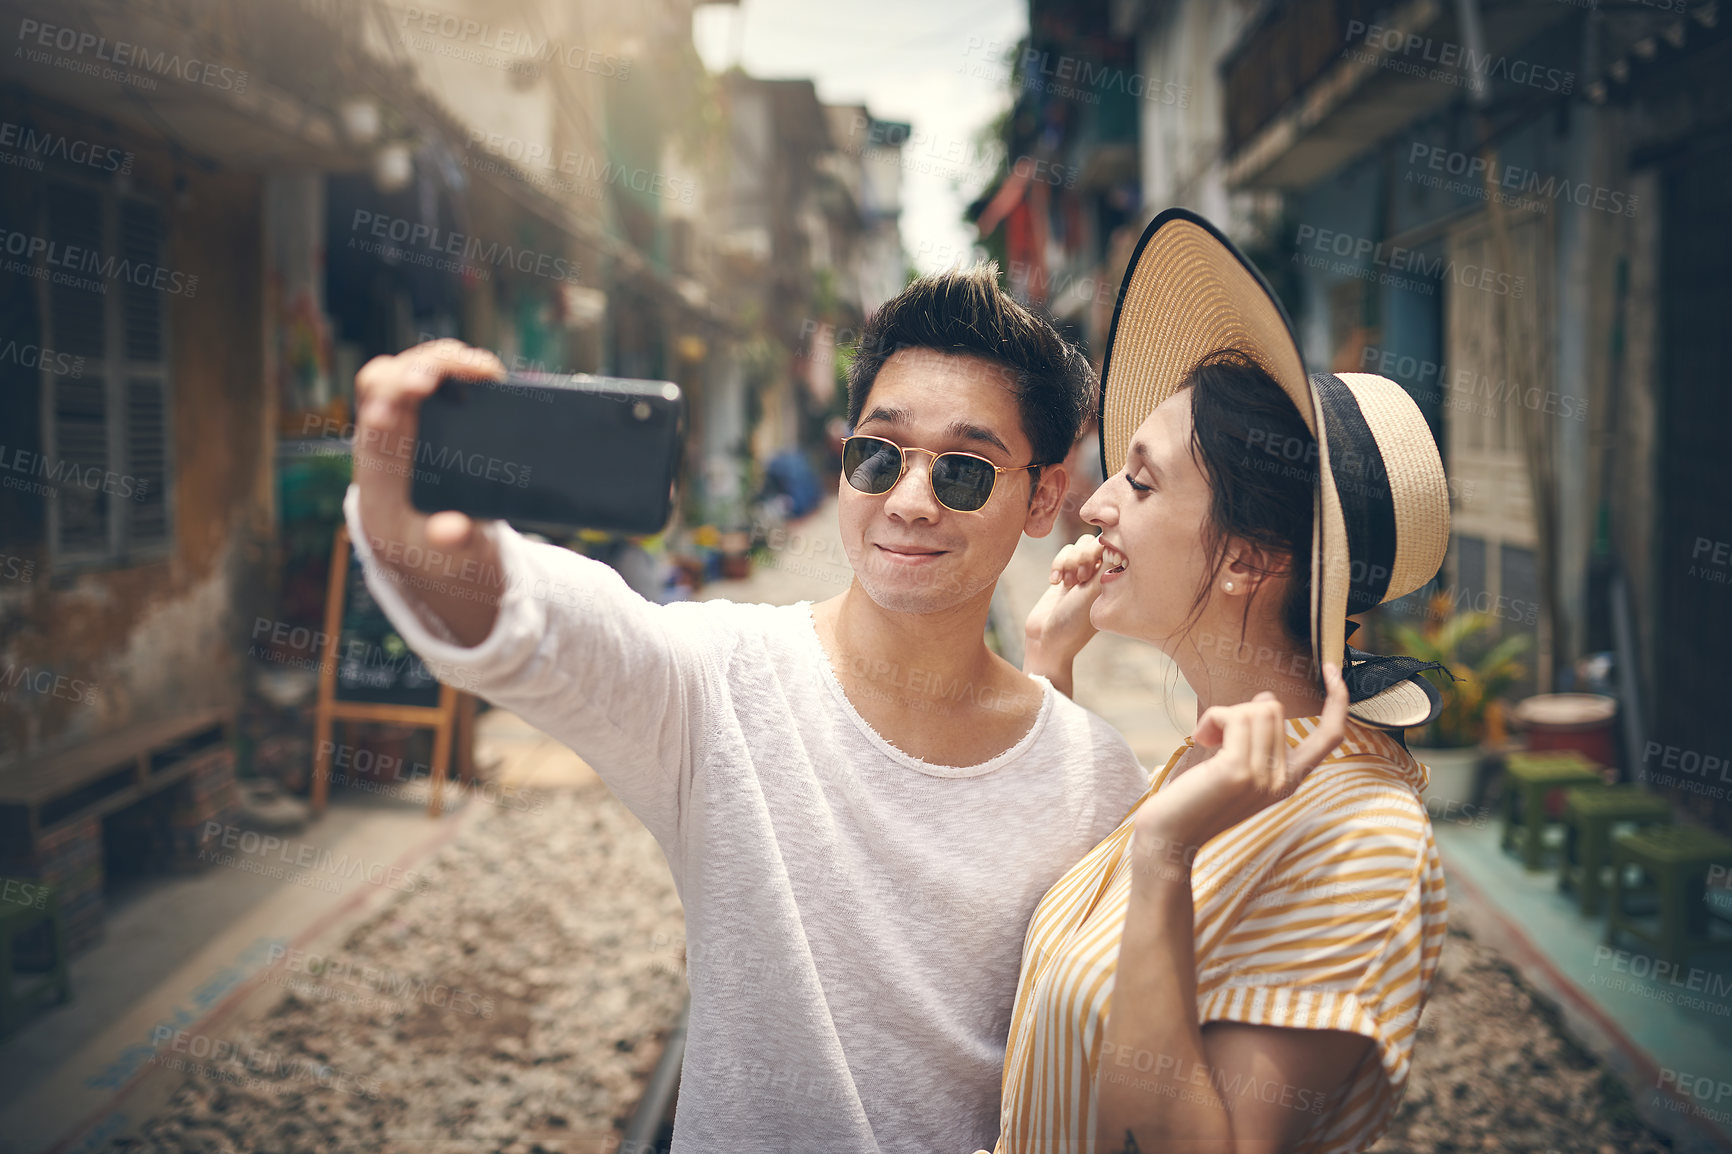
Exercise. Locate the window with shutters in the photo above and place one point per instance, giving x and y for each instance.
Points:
(107, 451)
(1495, 536)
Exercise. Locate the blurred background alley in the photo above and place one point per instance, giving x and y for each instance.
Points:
(267, 884)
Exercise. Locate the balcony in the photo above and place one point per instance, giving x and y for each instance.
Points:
(1306, 92)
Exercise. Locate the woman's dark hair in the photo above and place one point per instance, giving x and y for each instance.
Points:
(1261, 463)
(964, 312)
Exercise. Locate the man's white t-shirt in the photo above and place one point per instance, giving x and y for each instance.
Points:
(854, 915)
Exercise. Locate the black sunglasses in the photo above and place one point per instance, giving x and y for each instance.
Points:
(961, 481)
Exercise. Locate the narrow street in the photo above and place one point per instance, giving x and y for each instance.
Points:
(703, 242)
(517, 1001)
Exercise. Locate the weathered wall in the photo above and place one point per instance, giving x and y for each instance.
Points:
(157, 637)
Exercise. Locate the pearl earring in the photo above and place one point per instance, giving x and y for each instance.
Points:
(1228, 586)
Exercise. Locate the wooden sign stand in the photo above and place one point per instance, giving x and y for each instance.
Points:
(452, 720)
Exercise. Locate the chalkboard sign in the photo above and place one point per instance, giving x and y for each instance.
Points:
(374, 664)
(368, 674)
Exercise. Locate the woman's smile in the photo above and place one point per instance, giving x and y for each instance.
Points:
(1113, 563)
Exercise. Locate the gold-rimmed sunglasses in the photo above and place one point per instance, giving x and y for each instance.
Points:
(960, 481)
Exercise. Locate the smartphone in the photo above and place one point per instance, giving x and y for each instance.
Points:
(550, 452)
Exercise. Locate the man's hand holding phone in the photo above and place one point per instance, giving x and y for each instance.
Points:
(447, 545)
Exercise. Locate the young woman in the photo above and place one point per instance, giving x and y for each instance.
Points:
(1241, 965)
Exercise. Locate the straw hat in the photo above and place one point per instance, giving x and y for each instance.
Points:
(1380, 523)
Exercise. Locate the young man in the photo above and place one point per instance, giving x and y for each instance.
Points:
(855, 908)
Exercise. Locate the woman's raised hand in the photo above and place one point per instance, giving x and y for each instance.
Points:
(1078, 563)
(1250, 767)
(1059, 623)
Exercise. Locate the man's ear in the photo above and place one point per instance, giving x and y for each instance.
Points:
(1043, 503)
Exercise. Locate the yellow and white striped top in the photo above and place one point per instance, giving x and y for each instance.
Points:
(1324, 911)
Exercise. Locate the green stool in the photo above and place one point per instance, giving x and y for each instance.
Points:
(1678, 858)
(1590, 811)
(23, 906)
(1529, 777)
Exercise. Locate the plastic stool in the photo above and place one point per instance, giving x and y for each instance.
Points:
(1678, 858)
(1530, 777)
(1590, 811)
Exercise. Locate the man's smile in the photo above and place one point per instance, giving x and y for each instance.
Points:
(909, 554)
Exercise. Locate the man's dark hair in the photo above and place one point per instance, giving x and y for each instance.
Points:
(963, 312)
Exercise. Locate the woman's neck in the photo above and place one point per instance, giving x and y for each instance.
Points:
(1229, 668)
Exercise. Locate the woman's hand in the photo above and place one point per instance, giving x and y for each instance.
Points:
(1250, 768)
(1058, 626)
(1154, 1008)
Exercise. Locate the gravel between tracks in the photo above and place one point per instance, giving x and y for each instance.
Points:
(518, 999)
(517, 1002)
(1492, 1070)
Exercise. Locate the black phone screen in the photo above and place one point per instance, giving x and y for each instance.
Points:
(573, 452)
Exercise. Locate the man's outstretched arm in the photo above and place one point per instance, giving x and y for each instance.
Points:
(557, 638)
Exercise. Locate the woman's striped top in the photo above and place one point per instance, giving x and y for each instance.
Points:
(1324, 911)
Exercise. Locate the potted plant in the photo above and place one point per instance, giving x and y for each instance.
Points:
(1470, 724)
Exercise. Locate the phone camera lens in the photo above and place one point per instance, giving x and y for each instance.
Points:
(641, 410)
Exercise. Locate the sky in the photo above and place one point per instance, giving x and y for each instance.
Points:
(939, 65)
